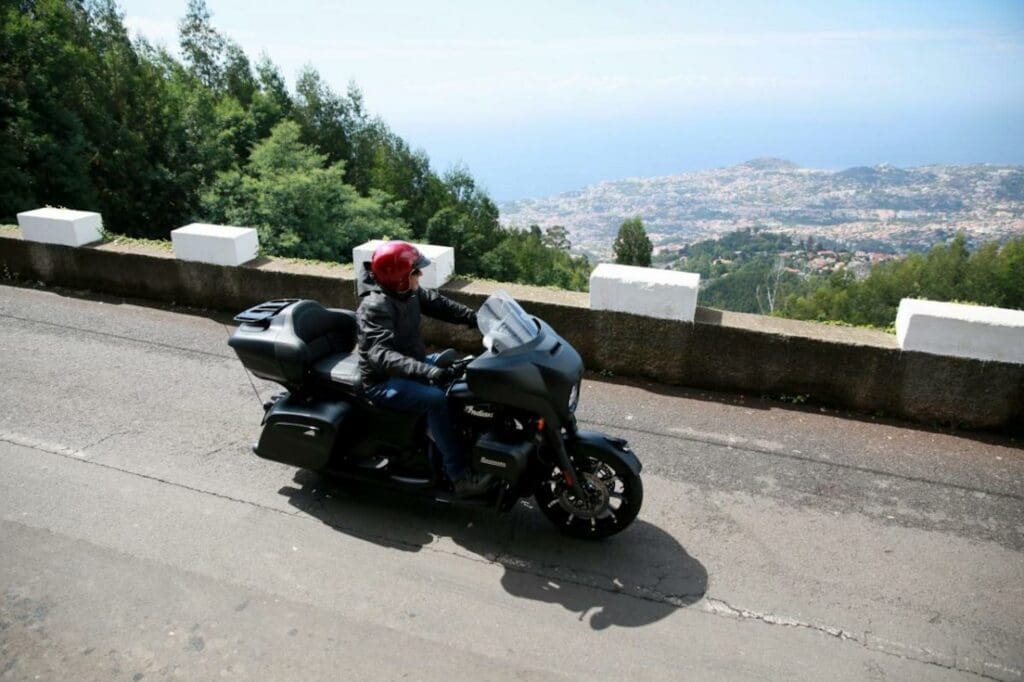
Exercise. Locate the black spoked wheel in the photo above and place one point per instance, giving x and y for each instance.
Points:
(613, 498)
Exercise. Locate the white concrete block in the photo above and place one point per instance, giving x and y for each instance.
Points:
(61, 226)
(217, 244)
(440, 270)
(969, 331)
(666, 294)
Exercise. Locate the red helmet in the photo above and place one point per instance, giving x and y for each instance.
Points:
(392, 263)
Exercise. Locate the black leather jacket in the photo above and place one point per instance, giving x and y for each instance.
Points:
(390, 344)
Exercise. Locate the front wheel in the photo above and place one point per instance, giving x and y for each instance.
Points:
(613, 499)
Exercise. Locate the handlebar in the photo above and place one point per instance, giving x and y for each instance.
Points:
(459, 367)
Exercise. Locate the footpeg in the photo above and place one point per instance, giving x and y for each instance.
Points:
(413, 480)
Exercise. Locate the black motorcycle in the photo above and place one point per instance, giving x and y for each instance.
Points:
(514, 404)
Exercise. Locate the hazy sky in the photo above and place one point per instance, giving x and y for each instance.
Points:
(543, 97)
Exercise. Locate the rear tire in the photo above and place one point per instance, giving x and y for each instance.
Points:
(616, 495)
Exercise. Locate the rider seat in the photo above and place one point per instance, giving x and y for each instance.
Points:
(331, 334)
(341, 371)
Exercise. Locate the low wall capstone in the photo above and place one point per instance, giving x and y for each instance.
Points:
(650, 292)
(217, 244)
(856, 369)
(970, 331)
(61, 226)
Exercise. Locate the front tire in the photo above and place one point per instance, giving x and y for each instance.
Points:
(615, 495)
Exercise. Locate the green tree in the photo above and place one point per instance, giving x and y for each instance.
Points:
(271, 102)
(632, 246)
(991, 276)
(324, 118)
(397, 170)
(91, 120)
(202, 46)
(469, 221)
(239, 81)
(45, 138)
(375, 157)
(981, 280)
(94, 119)
(17, 184)
(1010, 274)
(557, 237)
(522, 256)
(944, 270)
(299, 202)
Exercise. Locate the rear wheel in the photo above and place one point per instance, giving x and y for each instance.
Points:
(613, 497)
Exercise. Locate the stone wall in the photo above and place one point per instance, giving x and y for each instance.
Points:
(856, 369)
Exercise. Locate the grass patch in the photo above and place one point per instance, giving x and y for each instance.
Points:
(891, 329)
(122, 240)
(310, 261)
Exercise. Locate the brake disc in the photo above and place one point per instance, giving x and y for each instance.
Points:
(596, 502)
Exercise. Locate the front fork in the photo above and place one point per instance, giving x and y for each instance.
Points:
(557, 443)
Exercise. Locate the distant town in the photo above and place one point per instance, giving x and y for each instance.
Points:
(863, 215)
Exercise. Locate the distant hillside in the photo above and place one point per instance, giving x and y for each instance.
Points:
(876, 208)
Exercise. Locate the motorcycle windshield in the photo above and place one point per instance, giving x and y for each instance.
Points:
(504, 324)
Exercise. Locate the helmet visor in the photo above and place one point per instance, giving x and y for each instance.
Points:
(421, 262)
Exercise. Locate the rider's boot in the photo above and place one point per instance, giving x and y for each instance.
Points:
(473, 484)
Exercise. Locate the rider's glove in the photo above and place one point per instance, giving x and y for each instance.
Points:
(471, 322)
(441, 376)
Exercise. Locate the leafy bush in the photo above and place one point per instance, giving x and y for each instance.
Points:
(990, 276)
(94, 121)
(301, 205)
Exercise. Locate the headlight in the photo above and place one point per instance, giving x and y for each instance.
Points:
(574, 397)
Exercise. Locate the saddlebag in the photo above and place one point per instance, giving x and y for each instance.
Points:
(506, 460)
(303, 432)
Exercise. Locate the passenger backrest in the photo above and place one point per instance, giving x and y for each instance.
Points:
(324, 331)
(281, 340)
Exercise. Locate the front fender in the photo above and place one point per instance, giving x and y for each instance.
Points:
(595, 441)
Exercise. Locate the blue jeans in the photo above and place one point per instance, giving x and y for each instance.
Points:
(413, 396)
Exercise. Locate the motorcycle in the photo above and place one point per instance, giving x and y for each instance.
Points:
(514, 406)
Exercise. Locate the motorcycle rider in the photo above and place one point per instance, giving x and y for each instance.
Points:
(395, 369)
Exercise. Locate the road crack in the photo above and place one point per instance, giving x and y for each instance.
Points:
(949, 660)
(720, 607)
(106, 438)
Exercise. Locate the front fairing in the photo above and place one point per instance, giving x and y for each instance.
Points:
(538, 376)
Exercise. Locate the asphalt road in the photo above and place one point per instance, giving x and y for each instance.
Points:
(141, 539)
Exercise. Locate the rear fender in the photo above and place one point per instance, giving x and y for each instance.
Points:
(590, 441)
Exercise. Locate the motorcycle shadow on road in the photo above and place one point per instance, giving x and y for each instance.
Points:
(629, 580)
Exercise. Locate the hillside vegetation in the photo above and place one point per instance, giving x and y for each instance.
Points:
(770, 273)
(91, 120)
